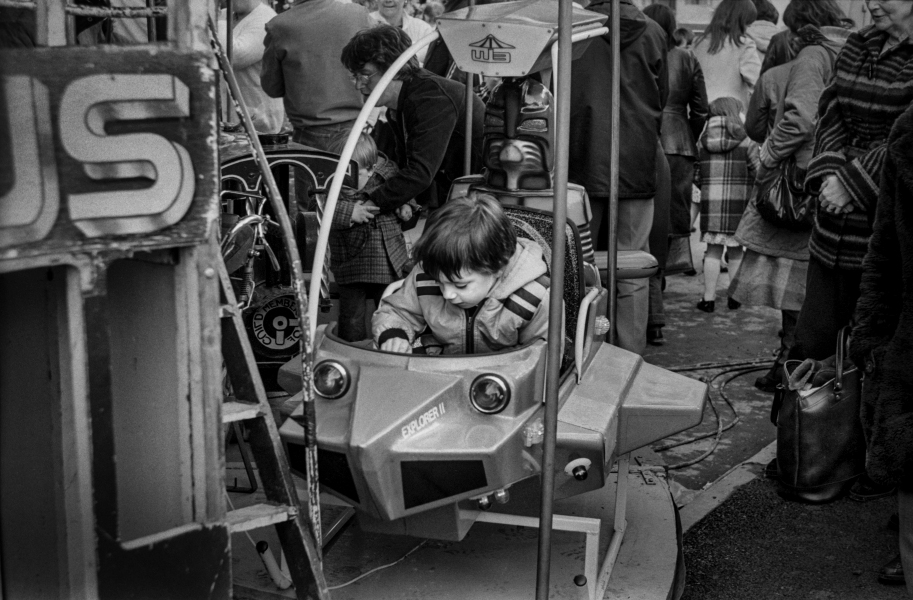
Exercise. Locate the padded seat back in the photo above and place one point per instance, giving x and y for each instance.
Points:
(538, 225)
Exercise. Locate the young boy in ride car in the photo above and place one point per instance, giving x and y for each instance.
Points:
(475, 286)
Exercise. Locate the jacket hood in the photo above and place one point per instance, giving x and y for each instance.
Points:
(527, 264)
(831, 38)
(633, 21)
(761, 32)
(722, 134)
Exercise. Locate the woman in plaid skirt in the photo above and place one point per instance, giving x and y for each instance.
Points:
(728, 162)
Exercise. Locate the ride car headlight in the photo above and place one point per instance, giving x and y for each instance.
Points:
(489, 394)
(331, 380)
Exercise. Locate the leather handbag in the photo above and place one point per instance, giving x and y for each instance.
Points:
(820, 442)
(784, 202)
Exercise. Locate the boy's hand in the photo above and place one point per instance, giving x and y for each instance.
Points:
(834, 197)
(362, 213)
(397, 345)
(404, 212)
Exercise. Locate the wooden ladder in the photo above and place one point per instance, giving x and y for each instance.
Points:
(249, 404)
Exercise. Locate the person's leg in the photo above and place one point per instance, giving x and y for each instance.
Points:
(712, 259)
(734, 258)
(635, 218)
(818, 322)
(351, 313)
(905, 534)
(656, 319)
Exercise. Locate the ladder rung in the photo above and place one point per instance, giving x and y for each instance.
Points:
(259, 515)
(239, 411)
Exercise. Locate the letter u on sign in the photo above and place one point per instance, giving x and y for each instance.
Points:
(92, 102)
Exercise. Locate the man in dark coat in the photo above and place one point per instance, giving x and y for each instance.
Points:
(427, 114)
(644, 87)
(882, 337)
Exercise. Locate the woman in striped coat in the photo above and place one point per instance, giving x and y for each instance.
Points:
(872, 87)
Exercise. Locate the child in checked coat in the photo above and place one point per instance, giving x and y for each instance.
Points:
(728, 162)
(367, 247)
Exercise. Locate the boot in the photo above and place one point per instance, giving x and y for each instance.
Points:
(769, 381)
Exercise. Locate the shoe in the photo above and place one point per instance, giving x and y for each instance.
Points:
(772, 470)
(892, 572)
(733, 304)
(708, 306)
(655, 336)
(769, 381)
(865, 489)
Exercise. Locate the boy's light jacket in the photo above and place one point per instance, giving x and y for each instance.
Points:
(515, 312)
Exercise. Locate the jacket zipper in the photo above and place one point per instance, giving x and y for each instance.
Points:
(470, 322)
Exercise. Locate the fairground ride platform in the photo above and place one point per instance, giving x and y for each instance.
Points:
(493, 561)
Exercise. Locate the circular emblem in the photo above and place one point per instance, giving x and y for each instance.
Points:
(275, 323)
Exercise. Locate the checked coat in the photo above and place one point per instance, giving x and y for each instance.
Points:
(373, 252)
(728, 163)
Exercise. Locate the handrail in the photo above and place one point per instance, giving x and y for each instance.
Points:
(329, 207)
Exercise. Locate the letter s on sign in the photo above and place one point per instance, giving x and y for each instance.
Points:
(87, 105)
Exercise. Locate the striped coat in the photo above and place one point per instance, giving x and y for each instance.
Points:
(515, 312)
(870, 90)
(728, 163)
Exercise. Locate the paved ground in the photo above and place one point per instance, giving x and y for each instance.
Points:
(741, 540)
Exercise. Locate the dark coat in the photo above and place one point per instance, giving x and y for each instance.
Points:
(644, 87)
(685, 112)
(429, 131)
(883, 337)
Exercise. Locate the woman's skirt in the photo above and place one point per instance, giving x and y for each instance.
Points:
(770, 281)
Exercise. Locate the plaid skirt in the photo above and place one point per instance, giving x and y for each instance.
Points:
(770, 281)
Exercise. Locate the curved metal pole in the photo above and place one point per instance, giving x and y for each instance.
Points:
(613, 166)
(291, 249)
(556, 299)
(320, 253)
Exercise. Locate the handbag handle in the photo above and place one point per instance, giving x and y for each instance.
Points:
(843, 338)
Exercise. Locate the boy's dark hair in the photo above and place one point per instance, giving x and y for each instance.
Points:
(469, 233)
(380, 45)
(682, 34)
(766, 11)
(726, 106)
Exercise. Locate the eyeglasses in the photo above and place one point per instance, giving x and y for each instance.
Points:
(362, 77)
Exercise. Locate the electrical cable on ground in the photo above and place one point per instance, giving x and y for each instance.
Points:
(737, 369)
(351, 581)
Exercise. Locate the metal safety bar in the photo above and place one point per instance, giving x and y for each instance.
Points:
(596, 574)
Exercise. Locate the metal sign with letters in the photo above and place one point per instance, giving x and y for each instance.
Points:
(105, 149)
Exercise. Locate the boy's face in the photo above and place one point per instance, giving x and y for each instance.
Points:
(469, 289)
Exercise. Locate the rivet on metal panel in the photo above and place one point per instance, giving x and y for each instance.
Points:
(209, 273)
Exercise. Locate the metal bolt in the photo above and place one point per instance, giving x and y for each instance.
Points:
(209, 273)
(484, 503)
(502, 496)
